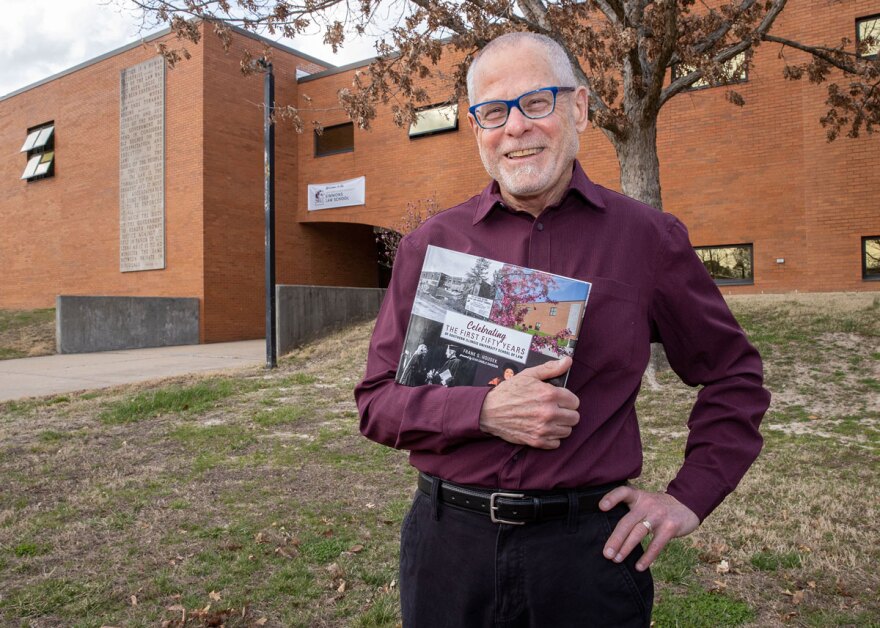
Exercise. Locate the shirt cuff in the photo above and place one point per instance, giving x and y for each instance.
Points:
(461, 413)
(698, 490)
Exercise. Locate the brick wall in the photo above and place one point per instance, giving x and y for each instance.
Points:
(550, 318)
(398, 169)
(61, 235)
(234, 274)
(761, 174)
(765, 174)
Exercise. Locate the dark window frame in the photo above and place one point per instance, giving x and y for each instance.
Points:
(864, 257)
(47, 147)
(675, 75)
(337, 151)
(449, 129)
(730, 281)
(858, 40)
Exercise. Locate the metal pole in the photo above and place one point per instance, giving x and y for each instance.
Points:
(269, 201)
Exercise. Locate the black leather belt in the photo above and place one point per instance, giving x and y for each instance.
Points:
(512, 507)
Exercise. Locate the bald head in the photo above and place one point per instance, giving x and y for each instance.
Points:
(554, 54)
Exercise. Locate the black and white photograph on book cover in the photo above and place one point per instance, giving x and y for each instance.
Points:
(476, 321)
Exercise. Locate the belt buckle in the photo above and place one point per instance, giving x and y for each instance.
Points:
(493, 507)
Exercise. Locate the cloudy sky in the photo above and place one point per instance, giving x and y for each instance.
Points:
(39, 38)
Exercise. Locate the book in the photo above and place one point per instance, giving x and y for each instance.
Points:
(477, 321)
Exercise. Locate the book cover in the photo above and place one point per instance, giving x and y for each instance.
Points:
(477, 321)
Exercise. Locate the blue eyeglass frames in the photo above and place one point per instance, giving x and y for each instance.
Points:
(536, 104)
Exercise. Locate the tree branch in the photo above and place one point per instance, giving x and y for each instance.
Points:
(831, 55)
(683, 82)
(535, 12)
(655, 88)
(614, 15)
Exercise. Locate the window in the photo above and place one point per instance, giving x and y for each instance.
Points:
(334, 140)
(868, 28)
(871, 258)
(40, 148)
(434, 119)
(734, 71)
(552, 311)
(729, 263)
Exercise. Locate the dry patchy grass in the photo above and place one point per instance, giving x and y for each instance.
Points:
(252, 498)
(122, 504)
(796, 533)
(26, 333)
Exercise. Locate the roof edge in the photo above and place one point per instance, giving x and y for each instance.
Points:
(165, 31)
(337, 70)
(275, 44)
(357, 64)
(85, 64)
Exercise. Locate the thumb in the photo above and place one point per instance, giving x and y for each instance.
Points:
(548, 370)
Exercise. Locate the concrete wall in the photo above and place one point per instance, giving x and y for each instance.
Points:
(84, 324)
(307, 312)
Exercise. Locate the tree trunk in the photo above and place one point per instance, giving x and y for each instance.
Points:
(639, 166)
(640, 179)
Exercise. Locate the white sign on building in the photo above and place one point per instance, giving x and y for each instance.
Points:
(338, 194)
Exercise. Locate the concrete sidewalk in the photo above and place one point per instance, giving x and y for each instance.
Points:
(54, 374)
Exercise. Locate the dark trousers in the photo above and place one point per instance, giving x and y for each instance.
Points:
(458, 569)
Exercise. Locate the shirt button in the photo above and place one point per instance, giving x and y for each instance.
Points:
(540, 226)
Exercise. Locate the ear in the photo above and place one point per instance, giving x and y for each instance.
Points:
(581, 108)
(474, 126)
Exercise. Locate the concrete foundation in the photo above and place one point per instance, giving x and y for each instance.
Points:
(307, 312)
(86, 324)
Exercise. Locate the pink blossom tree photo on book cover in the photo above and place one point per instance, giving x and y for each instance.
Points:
(515, 288)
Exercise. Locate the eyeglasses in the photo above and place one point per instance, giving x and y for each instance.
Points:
(536, 104)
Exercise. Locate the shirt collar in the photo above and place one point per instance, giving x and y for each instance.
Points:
(580, 184)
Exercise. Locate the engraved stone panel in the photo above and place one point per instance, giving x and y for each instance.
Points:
(142, 166)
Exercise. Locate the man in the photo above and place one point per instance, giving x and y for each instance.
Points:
(448, 373)
(415, 368)
(523, 515)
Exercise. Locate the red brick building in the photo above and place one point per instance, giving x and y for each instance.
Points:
(552, 318)
(798, 212)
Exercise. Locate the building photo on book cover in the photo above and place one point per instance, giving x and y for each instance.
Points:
(477, 322)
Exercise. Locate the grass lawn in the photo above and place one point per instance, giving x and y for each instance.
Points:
(250, 499)
(26, 333)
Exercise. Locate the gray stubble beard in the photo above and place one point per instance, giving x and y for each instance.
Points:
(509, 183)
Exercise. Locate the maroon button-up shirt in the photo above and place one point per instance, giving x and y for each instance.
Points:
(647, 284)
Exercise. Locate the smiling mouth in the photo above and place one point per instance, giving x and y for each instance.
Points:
(526, 152)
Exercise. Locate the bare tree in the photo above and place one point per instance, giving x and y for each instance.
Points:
(622, 50)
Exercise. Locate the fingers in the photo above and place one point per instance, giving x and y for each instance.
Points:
(530, 383)
(547, 370)
(529, 412)
(658, 542)
(614, 497)
(526, 410)
(625, 535)
(636, 531)
(666, 519)
(542, 428)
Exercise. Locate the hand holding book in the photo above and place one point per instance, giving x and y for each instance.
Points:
(526, 410)
(477, 322)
